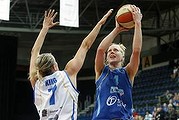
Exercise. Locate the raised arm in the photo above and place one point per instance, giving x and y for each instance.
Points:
(74, 65)
(133, 65)
(102, 48)
(47, 23)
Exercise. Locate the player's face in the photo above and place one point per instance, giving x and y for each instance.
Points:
(114, 54)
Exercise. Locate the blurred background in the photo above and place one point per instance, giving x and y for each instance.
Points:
(156, 84)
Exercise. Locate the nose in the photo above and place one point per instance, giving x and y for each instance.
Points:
(112, 51)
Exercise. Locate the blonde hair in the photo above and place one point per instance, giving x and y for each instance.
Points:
(123, 49)
(43, 64)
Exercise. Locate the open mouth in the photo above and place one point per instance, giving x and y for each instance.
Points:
(112, 56)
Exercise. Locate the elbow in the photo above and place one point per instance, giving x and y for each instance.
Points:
(35, 51)
(86, 45)
(32, 51)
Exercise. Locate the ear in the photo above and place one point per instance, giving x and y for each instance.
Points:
(122, 60)
(55, 67)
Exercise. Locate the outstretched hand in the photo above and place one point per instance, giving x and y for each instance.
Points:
(48, 19)
(105, 17)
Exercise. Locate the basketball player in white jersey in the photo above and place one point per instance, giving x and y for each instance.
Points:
(55, 92)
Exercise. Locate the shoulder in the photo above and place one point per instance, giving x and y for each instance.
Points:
(105, 69)
(104, 73)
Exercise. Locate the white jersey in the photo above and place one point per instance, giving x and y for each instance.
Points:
(56, 98)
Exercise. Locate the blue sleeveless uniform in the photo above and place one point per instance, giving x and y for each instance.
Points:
(113, 96)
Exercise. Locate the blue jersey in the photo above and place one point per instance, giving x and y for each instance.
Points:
(113, 96)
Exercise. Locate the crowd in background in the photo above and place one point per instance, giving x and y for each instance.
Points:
(168, 106)
(166, 109)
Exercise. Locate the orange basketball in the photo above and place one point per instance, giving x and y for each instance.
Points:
(124, 16)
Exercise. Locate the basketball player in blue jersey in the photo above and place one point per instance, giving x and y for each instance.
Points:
(113, 81)
(55, 92)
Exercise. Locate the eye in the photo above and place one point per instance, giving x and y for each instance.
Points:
(116, 50)
(109, 51)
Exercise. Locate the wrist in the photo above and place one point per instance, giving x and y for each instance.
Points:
(45, 28)
(117, 30)
(138, 23)
(99, 23)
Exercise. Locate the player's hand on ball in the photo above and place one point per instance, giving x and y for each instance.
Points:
(136, 13)
(121, 28)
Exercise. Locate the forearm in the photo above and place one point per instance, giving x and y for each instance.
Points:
(89, 40)
(40, 39)
(137, 40)
(107, 41)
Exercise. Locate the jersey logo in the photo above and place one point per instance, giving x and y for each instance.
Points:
(111, 100)
(115, 89)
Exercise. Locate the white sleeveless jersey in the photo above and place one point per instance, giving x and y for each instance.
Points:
(56, 98)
